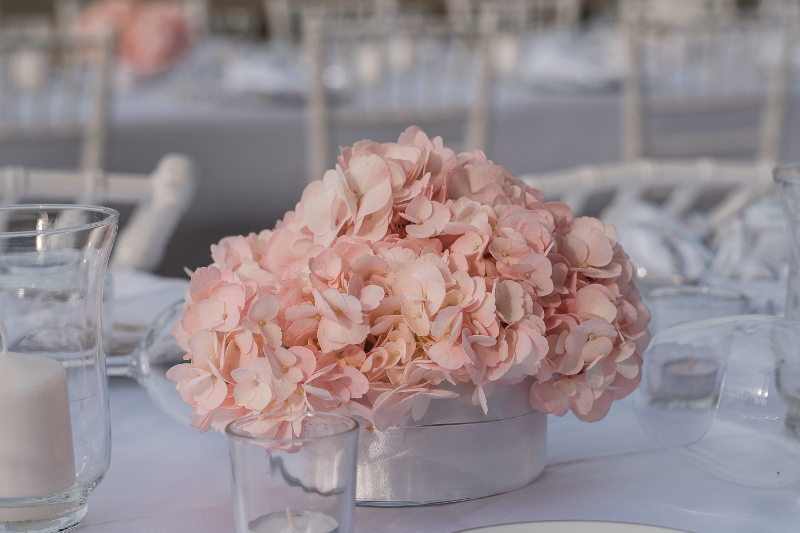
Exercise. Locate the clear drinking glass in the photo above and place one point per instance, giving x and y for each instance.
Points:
(55, 433)
(293, 485)
(714, 391)
(674, 304)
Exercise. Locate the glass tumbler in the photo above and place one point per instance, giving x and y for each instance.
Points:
(285, 484)
(55, 433)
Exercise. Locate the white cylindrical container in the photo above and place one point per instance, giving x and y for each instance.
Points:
(455, 452)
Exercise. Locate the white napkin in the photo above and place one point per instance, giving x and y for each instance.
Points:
(140, 296)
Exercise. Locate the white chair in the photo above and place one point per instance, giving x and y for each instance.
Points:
(284, 16)
(519, 15)
(678, 186)
(397, 68)
(685, 11)
(160, 200)
(711, 85)
(53, 85)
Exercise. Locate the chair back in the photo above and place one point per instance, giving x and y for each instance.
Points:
(712, 84)
(400, 68)
(284, 17)
(516, 15)
(159, 201)
(717, 188)
(55, 85)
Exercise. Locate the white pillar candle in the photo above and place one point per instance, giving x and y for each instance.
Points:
(36, 449)
(295, 522)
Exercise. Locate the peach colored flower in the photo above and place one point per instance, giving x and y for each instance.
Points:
(427, 218)
(261, 318)
(365, 187)
(511, 300)
(446, 331)
(324, 211)
(341, 322)
(535, 270)
(289, 367)
(404, 269)
(561, 395)
(253, 388)
(590, 340)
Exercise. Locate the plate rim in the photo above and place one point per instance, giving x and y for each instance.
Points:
(666, 528)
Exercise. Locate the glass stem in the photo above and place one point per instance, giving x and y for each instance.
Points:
(120, 366)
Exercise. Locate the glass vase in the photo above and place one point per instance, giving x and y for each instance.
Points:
(56, 435)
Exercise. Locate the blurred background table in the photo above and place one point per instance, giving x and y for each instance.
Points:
(562, 100)
(250, 157)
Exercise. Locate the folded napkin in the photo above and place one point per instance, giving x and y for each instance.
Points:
(138, 298)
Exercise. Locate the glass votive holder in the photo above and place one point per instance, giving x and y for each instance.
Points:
(293, 472)
(718, 392)
(681, 303)
(55, 432)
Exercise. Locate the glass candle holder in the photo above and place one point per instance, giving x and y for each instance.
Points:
(54, 423)
(718, 392)
(681, 303)
(304, 484)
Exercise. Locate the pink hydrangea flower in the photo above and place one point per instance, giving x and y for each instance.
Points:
(405, 268)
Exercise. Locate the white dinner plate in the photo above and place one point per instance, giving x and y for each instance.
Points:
(573, 526)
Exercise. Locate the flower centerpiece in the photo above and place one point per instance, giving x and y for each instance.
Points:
(407, 270)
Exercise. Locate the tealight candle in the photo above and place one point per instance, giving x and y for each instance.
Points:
(36, 449)
(690, 377)
(295, 522)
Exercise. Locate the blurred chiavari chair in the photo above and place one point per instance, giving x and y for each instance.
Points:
(55, 85)
(686, 11)
(679, 186)
(397, 68)
(516, 15)
(707, 85)
(516, 21)
(284, 16)
(158, 200)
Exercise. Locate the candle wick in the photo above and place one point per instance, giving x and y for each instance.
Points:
(291, 518)
(4, 337)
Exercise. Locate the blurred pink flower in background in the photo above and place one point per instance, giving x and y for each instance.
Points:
(150, 36)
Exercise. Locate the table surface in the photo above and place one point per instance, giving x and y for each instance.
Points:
(168, 477)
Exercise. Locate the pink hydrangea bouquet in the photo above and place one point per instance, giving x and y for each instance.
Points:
(406, 270)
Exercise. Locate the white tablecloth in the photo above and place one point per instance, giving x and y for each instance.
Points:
(168, 477)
